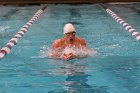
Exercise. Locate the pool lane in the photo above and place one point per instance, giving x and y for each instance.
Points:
(121, 21)
(12, 18)
(14, 40)
(115, 68)
(129, 12)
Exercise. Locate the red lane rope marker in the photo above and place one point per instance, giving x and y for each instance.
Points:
(127, 27)
(13, 41)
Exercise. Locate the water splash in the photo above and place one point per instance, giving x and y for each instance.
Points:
(3, 29)
(81, 52)
(45, 51)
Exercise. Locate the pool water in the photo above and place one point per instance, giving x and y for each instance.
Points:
(114, 69)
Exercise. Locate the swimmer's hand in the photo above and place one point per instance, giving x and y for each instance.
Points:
(54, 56)
(56, 53)
(68, 56)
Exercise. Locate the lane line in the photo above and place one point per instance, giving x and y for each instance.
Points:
(119, 20)
(13, 41)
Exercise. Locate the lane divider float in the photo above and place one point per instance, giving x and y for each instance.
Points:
(13, 41)
(119, 20)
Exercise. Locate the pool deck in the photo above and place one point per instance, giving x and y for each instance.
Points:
(61, 1)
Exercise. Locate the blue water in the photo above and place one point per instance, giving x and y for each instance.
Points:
(114, 69)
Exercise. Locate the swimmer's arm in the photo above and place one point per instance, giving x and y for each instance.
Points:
(84, 43)
(55, 56)
(69, 56)
(78, 56)
(55, 44)
(54, 53)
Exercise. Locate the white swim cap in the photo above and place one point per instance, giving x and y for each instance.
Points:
(69, 28)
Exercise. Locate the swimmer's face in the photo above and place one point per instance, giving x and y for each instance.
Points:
(70, 36)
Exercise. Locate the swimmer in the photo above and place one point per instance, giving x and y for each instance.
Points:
(69, 40)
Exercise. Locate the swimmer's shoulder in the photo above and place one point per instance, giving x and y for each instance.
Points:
(57, 43)
(61, 40)
(81, 40)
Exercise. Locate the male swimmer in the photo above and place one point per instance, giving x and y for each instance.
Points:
(70, 40)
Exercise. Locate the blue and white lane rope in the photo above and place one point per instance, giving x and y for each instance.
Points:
(13, 41)
(127, 27)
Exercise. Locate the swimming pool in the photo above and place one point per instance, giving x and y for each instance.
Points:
(114, 69)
